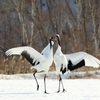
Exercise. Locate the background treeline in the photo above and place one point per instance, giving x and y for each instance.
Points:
(32, 22)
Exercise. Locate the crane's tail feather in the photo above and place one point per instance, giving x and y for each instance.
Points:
(92, 61)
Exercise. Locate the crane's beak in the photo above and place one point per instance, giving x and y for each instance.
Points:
(51, 38)
(55, 38)
(56, 35)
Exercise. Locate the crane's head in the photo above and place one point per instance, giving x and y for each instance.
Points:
(57, 34)
(58, 37)
(51, 42)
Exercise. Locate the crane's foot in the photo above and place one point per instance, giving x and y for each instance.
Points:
(58, 91)
(64, 91)
(46, 92)
(37, 87)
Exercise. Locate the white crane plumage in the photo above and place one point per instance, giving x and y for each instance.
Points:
(79, 59)
(39, 61)
(60, 62)
(65, 62)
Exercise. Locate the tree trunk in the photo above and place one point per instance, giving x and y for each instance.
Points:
(79, 14)
(94, 25)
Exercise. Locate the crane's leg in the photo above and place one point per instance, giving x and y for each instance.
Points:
(62, 85)
(60, 80)
(36, 81)
(45, 84)
(59, 84)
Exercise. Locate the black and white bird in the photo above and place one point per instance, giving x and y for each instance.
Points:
(60, 62)
(39, 61)
(66, 62)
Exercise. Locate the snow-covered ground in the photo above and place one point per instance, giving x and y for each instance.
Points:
(23, 87)
(53, 75)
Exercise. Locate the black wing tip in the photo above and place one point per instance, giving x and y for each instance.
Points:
(78, 65)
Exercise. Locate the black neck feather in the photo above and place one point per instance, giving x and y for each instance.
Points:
(58, 40)
(50, 40)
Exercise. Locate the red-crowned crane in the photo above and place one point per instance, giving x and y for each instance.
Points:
(65, 62)
(39, 61)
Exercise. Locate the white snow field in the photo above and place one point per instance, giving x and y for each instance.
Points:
(23, 87)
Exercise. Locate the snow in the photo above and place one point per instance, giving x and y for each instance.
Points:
(52, 75)
(23, 87)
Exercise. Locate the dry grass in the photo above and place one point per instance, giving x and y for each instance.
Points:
(16, 65)
(86, 69)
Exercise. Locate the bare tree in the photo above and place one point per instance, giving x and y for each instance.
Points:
(30, 22)
(93, 9)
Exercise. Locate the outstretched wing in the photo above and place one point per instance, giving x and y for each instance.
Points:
(90, 60)
(33, 56)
